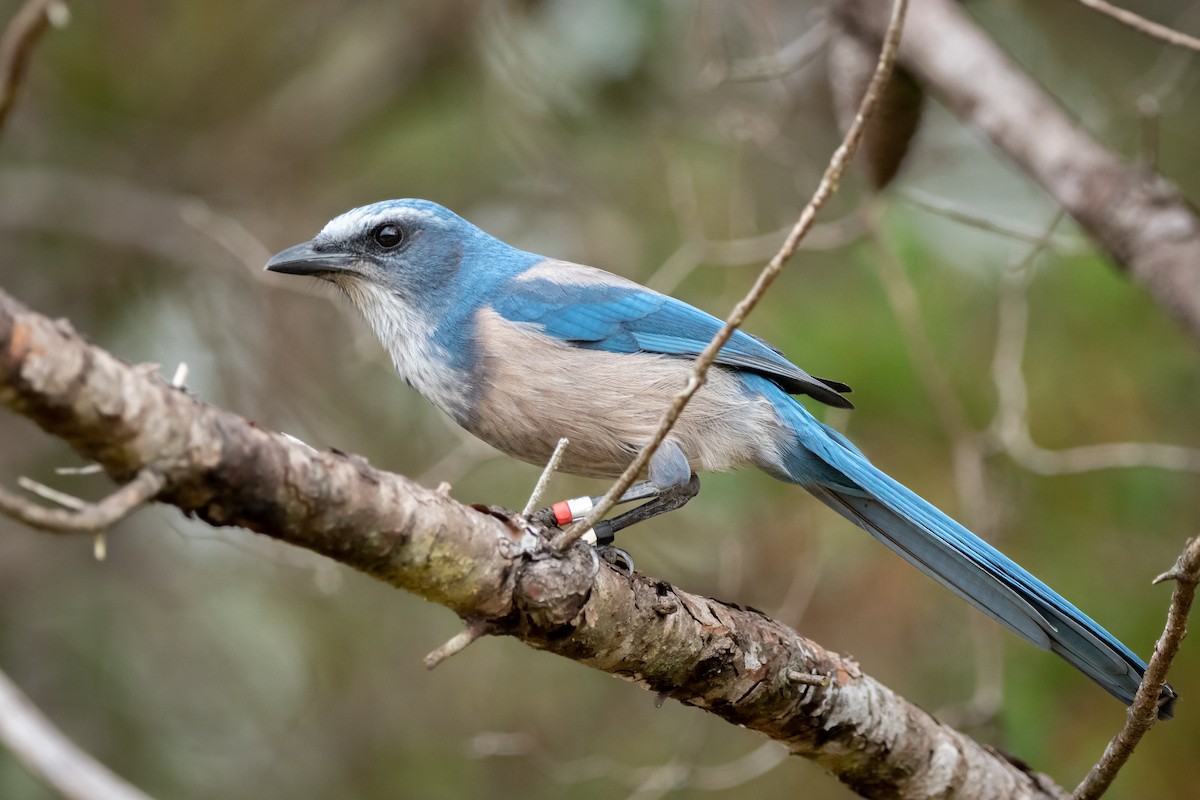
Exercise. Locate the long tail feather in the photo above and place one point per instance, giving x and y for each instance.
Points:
(826, 464)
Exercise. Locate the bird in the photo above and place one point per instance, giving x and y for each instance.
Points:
(522, 350)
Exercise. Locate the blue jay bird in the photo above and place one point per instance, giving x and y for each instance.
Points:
(521, 350)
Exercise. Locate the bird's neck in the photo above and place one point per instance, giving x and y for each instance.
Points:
(414, 337)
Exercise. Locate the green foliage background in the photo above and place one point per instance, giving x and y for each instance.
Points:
(162, 150)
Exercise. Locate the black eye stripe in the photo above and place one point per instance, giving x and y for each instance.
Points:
(388, 235)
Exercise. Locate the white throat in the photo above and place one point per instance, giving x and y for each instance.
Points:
(406, 333)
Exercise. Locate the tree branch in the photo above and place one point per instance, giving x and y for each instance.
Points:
(1136, 216)
(492, 568)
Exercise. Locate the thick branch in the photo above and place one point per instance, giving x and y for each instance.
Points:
(491, 568)
(1137, 216)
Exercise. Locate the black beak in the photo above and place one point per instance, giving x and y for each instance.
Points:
(303, 259)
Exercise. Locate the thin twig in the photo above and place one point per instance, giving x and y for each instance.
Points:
(51, 756)
(92, 517)
(1002, 227)
(53, 495)
(539, 488)
(675, 775)
(87, 469)
(1143, 25)
(788, 60)
(1144, 712)
(826, 188)
(16, 45)
(457, 643)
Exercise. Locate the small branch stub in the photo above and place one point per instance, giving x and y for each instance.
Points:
(807, 678)
(539, 488)
(84, 517)
(459, 642)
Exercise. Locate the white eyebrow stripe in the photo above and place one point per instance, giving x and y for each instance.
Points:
(363, 219)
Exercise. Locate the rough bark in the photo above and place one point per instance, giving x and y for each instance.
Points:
(490, 568)
(1137, 216)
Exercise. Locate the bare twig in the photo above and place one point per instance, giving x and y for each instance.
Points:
(86, 469)
(672, 776)
(53, 495)
(90, 517)
(1143, 25)
(539, 488)
(1144, 712)
(789, 59)
(1002, 227)
(1087, 458)
(457, 643)
(826, 188)
(100, 543)
(16, 45)
(51, 756)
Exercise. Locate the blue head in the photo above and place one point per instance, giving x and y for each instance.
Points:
(419, 252)
(418, 272)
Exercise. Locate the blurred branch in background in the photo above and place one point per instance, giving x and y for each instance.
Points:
(1139, 218)
(16, 45)
(1009, 429)
(177, 228)
(46, 752)
(1143, 25)
(1002, 227)
(645, 783)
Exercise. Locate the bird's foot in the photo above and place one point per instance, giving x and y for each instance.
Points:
(617, 557)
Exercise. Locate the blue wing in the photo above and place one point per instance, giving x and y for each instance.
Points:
(594, 309)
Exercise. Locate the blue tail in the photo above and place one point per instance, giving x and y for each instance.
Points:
(825, 463)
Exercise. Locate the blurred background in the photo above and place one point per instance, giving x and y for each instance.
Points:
(163, 149)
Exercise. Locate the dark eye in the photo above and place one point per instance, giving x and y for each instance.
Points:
(388, 236)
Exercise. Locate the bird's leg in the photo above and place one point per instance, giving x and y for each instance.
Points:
(672, 483)
(668, 499)
(567, 511)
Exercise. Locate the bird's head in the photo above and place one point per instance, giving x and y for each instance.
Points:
(413, 250)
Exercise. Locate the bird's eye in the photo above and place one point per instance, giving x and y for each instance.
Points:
(388, 236)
